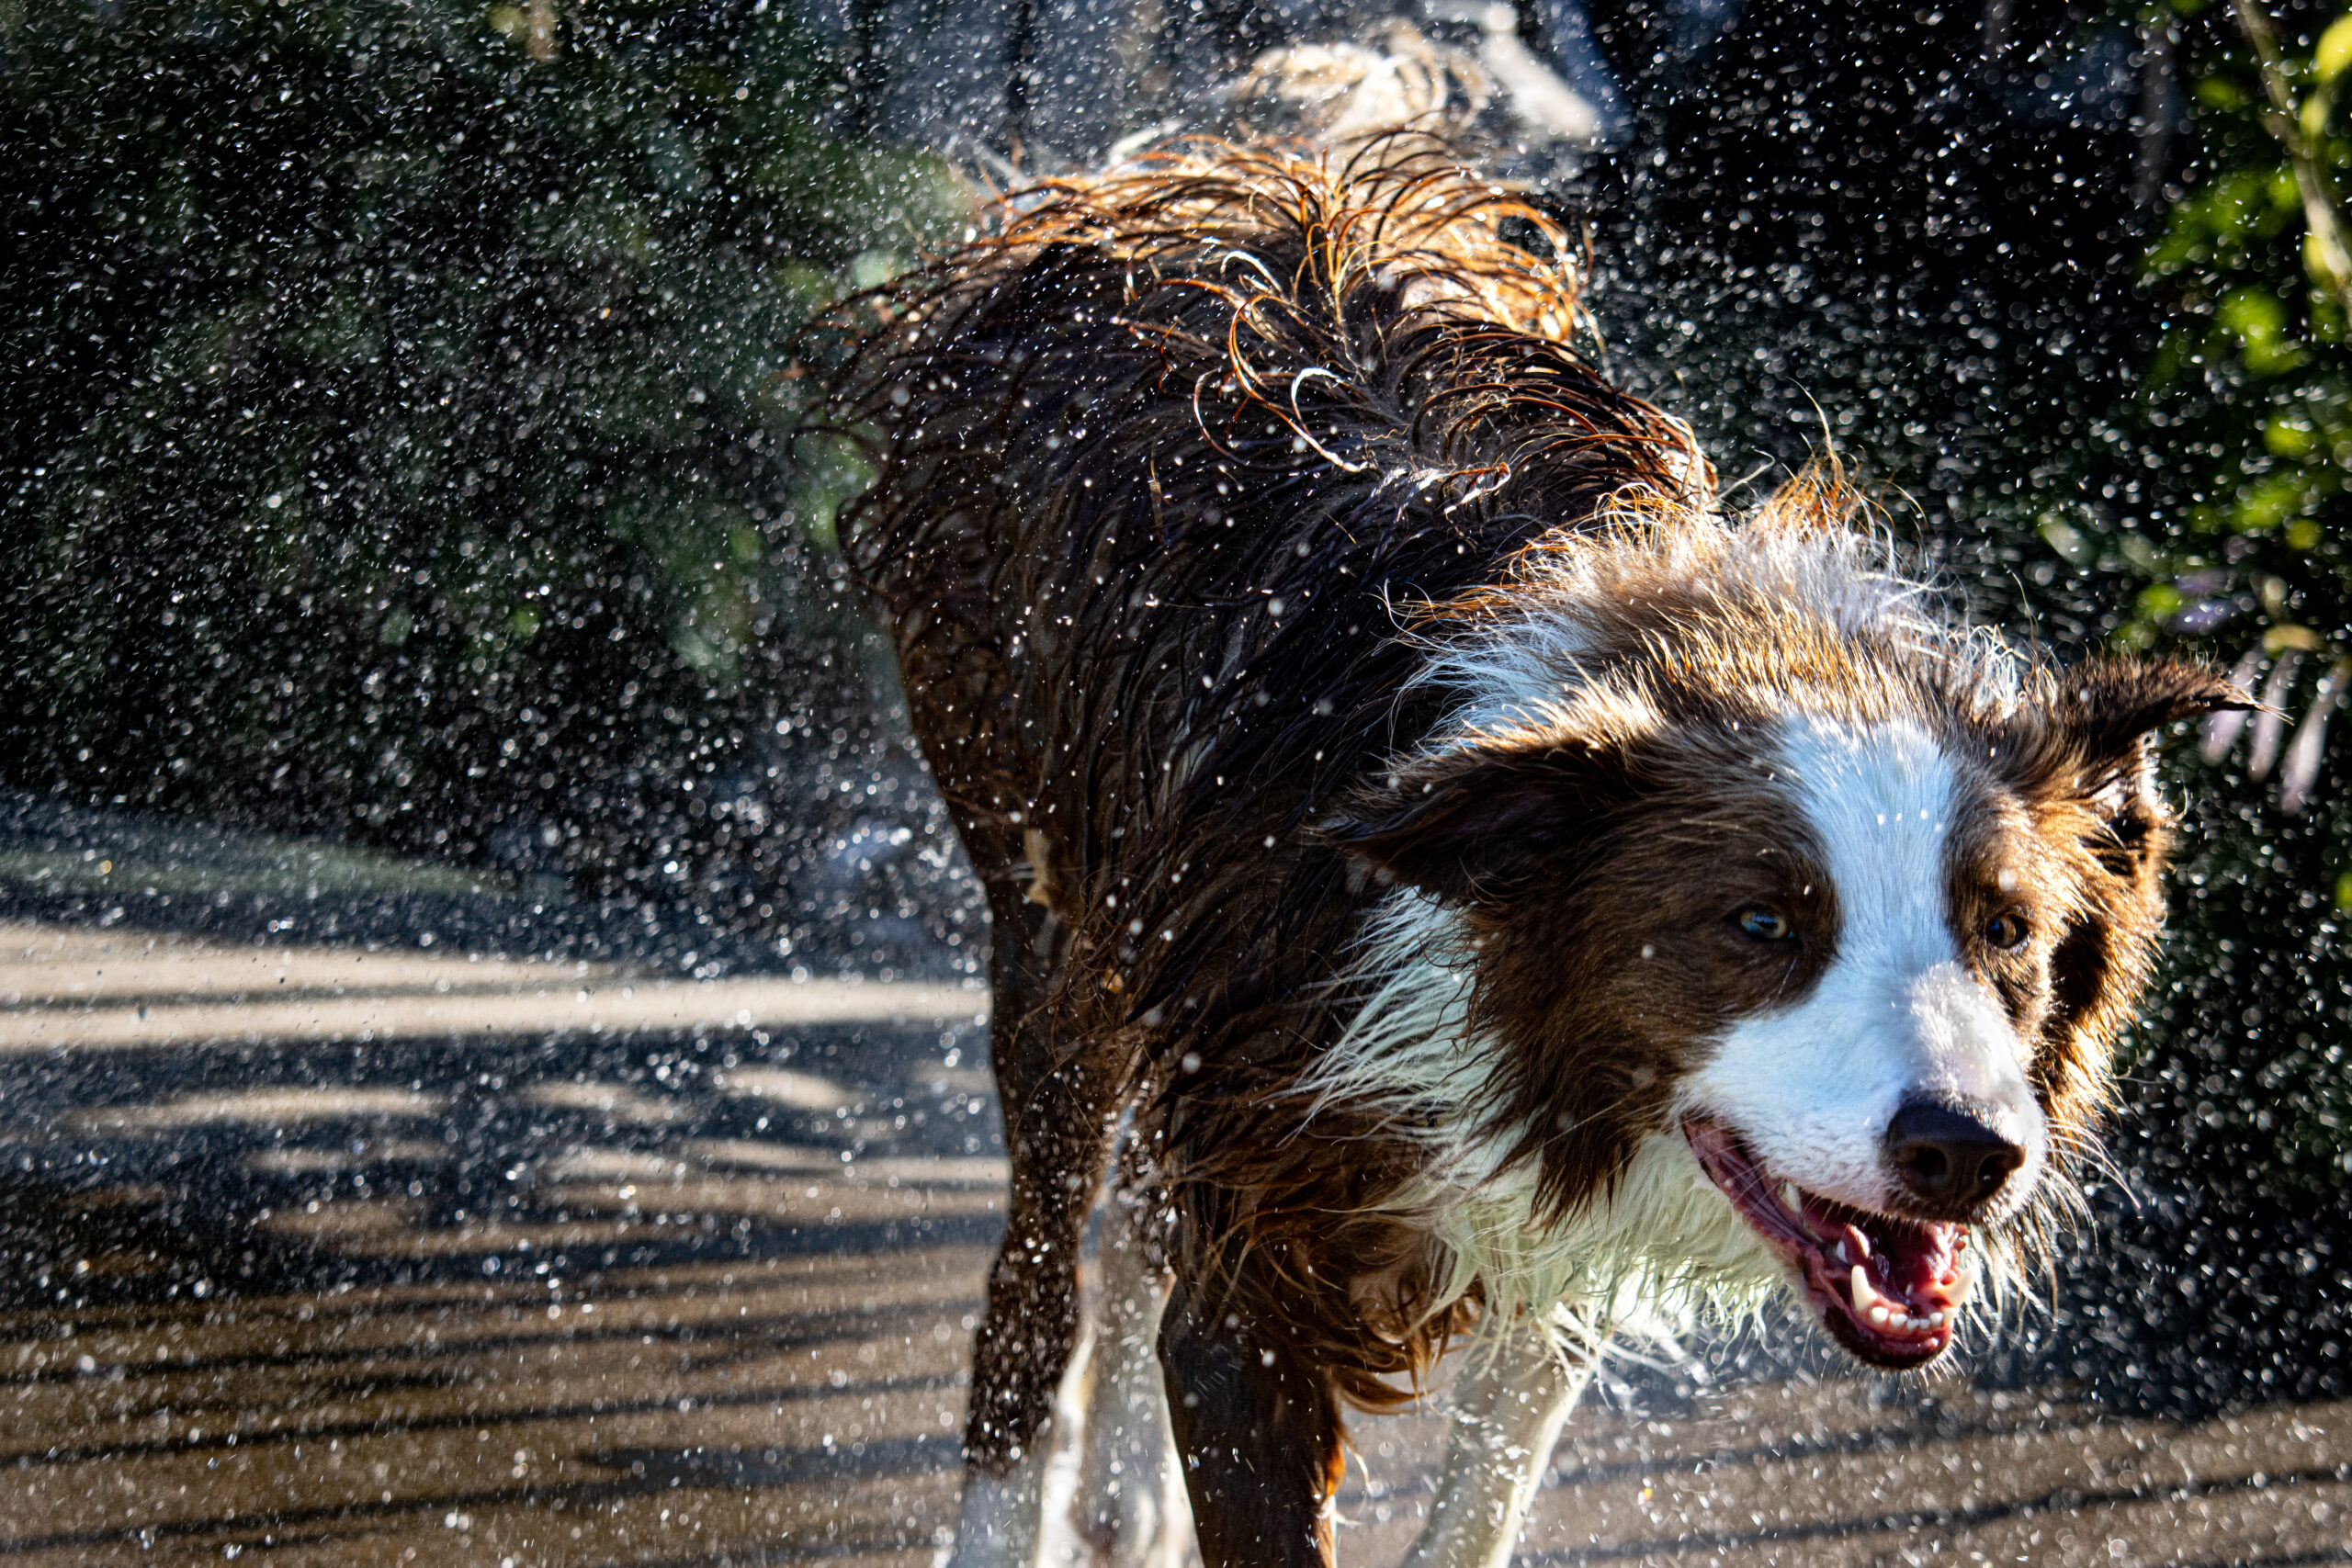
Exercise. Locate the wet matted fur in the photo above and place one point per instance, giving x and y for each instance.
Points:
(1345, 693)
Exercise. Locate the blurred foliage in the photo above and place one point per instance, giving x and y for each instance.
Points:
(1912, 232)
(395, 417)
(2253, 374)
(2211, 509)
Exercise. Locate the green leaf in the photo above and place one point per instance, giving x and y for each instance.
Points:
(2289, 436)
(2257, 318)
(2220, 93)
(2266, 505)
(2069, 541)
(2335, 52)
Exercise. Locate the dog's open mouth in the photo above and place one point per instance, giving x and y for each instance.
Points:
(1888, 1288)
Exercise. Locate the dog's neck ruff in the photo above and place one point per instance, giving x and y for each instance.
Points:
(1660, 1249)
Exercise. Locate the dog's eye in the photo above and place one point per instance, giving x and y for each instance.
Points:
(1765, 925)
(2006, 929)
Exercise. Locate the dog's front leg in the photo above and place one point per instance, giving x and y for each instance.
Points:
(1508, 1408)
(1022, 1354)
(1259, 1429)
(1131, 1511)
(1060, 1099)
(1000, 1515)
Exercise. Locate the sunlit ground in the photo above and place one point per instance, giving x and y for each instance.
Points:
(340, 1257)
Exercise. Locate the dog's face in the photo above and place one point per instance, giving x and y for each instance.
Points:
(1887, 1099)
(1863, 953)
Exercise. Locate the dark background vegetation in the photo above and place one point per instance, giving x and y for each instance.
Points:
(398, 434)
(396, 416)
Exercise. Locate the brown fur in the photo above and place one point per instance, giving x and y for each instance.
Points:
(1158, 460)
(1103, 479)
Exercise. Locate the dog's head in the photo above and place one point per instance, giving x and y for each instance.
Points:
(1752, 853)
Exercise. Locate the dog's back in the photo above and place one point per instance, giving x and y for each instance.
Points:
(1164, 463)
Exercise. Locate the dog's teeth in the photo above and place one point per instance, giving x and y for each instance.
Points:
(1838, 1253)
(1861, 1241)
(1873, 1308)
(1790, 1199)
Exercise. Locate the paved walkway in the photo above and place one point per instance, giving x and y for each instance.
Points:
(80, 989)
(489, 1275)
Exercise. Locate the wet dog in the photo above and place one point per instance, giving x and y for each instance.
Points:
(1497, 892)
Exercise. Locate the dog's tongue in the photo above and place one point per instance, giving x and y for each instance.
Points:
(1915, 1262)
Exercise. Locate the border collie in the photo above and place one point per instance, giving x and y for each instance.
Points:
(1486, 892)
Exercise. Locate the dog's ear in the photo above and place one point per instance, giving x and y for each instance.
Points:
(2096, 724)
(2110, 705)
(2083, 743)
(1472, 823)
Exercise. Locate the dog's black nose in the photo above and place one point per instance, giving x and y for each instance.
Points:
(1947, 1158)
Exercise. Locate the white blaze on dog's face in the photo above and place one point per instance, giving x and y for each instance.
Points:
(1898, 1053)
(1898, 1015)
